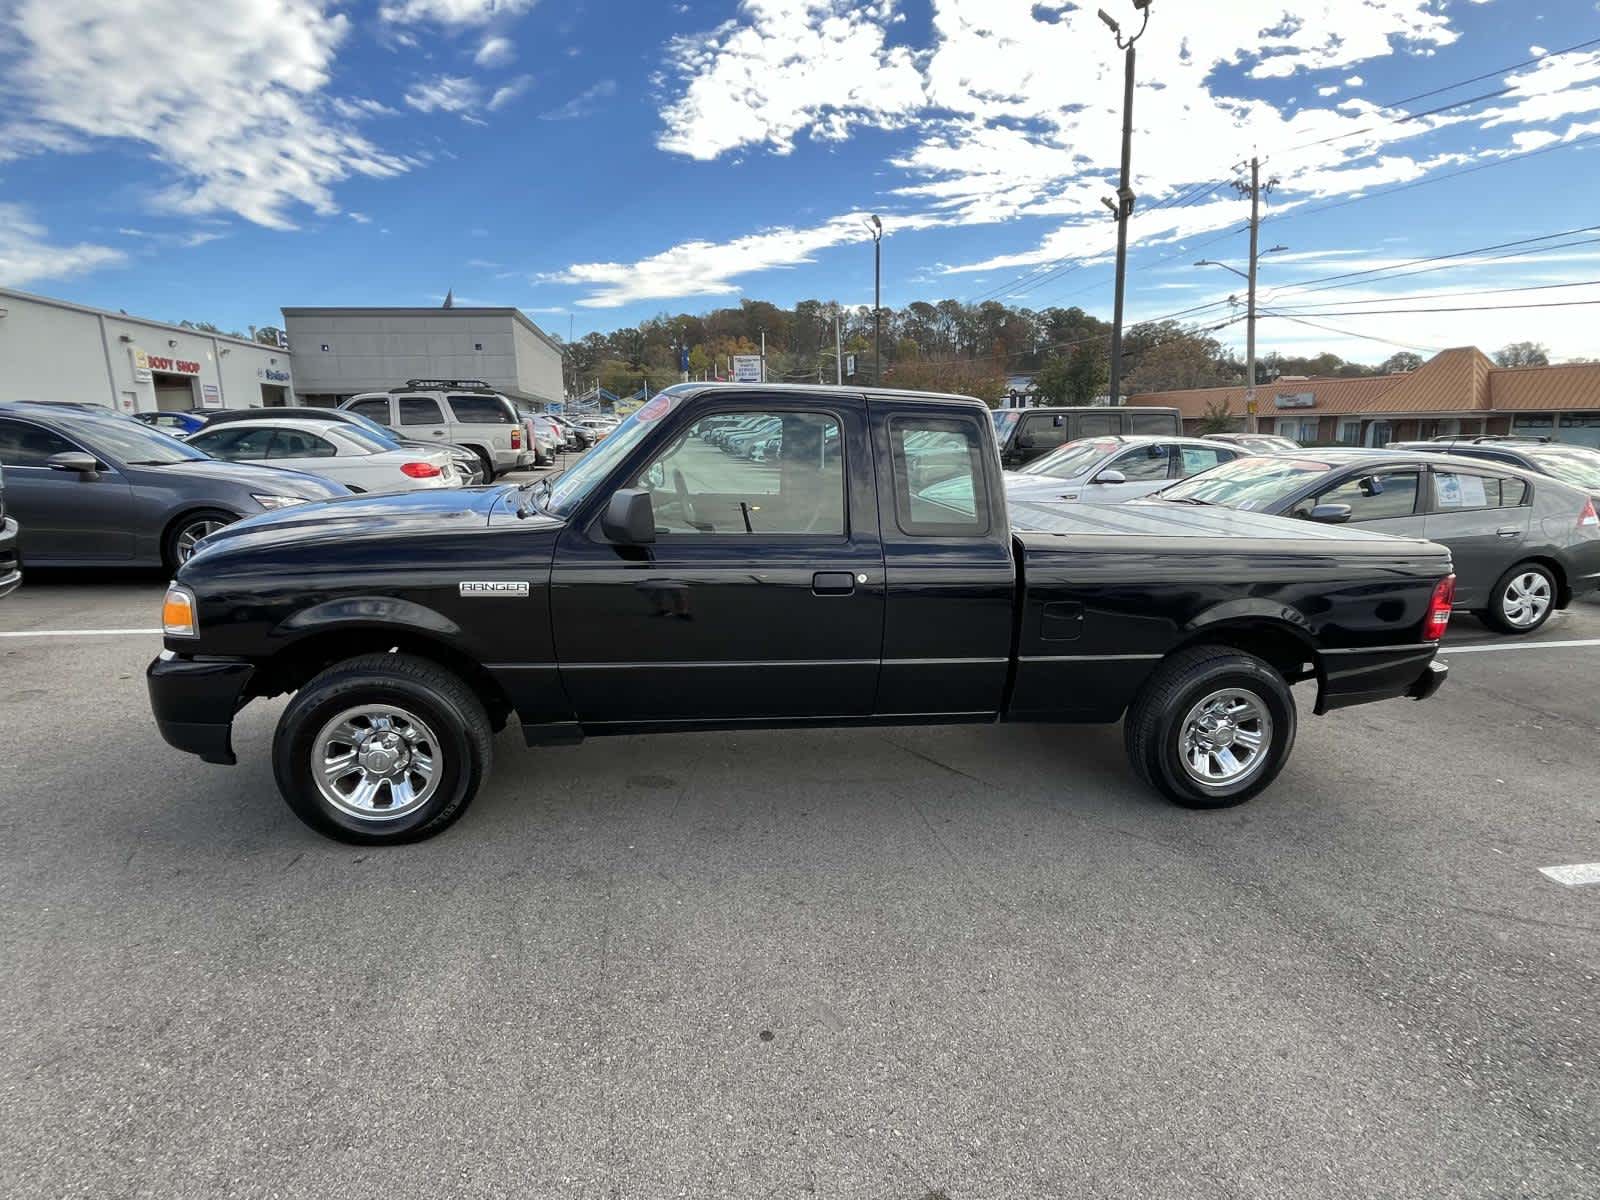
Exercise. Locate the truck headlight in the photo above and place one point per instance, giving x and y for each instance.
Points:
(177, 613)
(271, 502)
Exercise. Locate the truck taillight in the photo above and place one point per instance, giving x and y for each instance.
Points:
(516, 437)
(1588, 518)
(419, 470)
(1438, 620)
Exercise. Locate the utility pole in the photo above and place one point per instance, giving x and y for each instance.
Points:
(1250, 313)
(1122, 206)
(876, 226)
(838, 353)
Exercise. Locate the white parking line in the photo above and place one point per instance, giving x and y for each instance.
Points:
(25, 633)
(1563, 645)
(1575, 875)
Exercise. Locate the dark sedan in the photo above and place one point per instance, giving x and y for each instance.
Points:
(10, 564)
(1523, 544)
(95, 488)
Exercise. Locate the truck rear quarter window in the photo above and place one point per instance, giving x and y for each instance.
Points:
(939, 486)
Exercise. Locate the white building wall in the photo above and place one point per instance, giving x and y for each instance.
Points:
(538, 366)
(51, 350)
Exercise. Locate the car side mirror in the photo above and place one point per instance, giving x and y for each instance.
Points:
(630, 518)
(1110, 477)
(85, 465)
(1023, 442)
(1330, 514)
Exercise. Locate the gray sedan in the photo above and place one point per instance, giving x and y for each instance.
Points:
(92, 487)
(1524, 544)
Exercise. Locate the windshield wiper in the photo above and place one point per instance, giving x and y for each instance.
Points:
(1187, 500)
(532, 493)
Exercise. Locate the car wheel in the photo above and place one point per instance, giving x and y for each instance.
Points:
(1211, 728)
(1523, 599)
(382, 749)
(486, 465)
(187, 530)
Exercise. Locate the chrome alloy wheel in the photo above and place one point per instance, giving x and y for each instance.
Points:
(1526, 599)
(1225, 738)
(376, 762)
(191, 534)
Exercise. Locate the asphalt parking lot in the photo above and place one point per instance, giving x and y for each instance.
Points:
(953, 962)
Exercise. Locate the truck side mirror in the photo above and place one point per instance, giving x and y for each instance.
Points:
(1109, 476)
(85, 465)
(1023, 442)
(1330, 514)
(630, 518)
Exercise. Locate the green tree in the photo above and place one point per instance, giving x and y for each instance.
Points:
(1523, 354)
(1398, 364)
(1216, 418)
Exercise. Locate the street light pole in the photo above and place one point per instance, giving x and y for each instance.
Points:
(1122, 206)
(1250, 311)
(876, 226)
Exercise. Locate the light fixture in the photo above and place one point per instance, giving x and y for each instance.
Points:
(1114, 27)
(172, 343)
(122, 337)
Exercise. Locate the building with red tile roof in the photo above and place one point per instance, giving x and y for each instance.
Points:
(1458, 391)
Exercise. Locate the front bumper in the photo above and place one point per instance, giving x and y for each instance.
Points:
(10, 559)
(187, 695)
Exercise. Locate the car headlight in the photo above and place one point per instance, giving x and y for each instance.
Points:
(177, 613)
(270, 502)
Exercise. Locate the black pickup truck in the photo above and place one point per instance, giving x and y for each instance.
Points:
(864, 572)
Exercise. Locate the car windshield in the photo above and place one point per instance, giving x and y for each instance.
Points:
(1249, 483)
(366, 441)
(1073, 459)
(577, 481)
(134, 444)
(1577, 465)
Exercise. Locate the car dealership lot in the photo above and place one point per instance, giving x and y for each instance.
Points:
(963, 960)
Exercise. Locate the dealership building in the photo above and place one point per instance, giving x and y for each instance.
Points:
(342, 351)
(53, 350)
(1457, 392)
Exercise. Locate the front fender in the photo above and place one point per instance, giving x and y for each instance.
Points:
(359, 612)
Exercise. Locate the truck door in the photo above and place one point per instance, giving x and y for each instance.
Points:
(762, 596)
(949, 568)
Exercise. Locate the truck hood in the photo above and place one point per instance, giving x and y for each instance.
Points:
(396, 517)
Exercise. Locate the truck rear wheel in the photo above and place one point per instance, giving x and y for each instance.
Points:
(1211, 728)
(380, 749)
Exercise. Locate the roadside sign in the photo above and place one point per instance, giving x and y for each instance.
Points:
(849, 364)
(210, 397)
(1250, 406)
(747, 368)
(141, 364)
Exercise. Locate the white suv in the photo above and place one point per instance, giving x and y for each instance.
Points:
(464, 411)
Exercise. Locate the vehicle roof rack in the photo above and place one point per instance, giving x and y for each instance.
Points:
(443, 385)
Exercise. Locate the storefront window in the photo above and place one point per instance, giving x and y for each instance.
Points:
(1580, 429)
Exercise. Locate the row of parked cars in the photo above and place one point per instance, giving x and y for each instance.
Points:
(1518, 515)
(87, 485)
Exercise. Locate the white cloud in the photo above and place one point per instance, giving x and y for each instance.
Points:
(27, 254)
(444, 93)
(359, 218)
(354, 108)
(702, 268)
(451, 12)
(1354, 81)
(1330, 90)
(228, 94)
(785, 66)
(495, 52)
(193, 237)
(506, 94)
(583, 103)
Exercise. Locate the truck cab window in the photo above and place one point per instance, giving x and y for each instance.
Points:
(938, 476)
(751, 473)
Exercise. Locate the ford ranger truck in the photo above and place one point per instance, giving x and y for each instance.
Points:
(865, 572)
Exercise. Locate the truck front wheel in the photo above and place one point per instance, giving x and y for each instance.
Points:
(1211, 728)
(382, 748)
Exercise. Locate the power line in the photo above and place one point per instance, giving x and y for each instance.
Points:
(1352, 333)
(1533, 287)
(1390, 312)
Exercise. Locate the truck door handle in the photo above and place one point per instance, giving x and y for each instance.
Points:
(833, 583)
(1512, 532)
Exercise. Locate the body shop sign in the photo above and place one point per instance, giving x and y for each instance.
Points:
(175, 366)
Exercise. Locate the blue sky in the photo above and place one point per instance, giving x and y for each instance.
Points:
(595, 163)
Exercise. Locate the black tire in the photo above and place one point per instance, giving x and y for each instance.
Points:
(447, 708)
(487, 464)
(175, 546)
(1499, 612)
(1153, 729)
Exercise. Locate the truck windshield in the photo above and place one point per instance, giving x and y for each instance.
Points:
(577, 481)
(1248, 483)
(1005, 420)
(1071, 460)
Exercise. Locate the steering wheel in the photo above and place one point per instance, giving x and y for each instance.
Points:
(682, 491)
